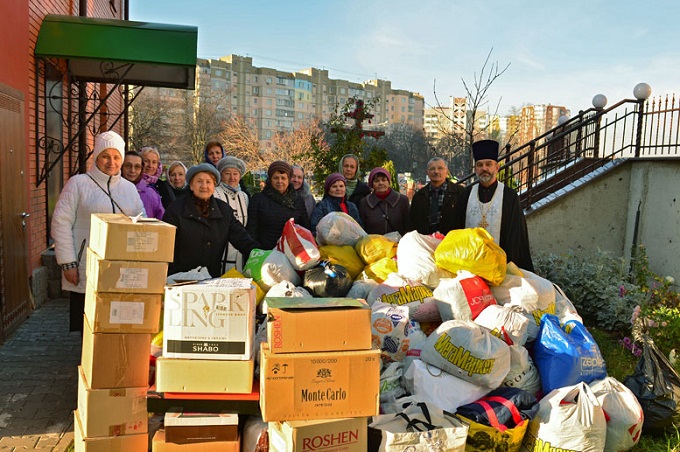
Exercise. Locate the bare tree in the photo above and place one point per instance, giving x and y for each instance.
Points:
(408, 148)
(149, 122)
(239, 138)
(476, 99)
(298, 146)
(205, 122)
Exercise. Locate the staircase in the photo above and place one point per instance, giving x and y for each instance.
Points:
(589, 142)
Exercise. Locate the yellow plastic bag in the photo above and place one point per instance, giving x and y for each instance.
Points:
(514, 270)
(233, 273)
(379, 270)
(481, 437)
(374, 247)
(474, 250)
(345, 256)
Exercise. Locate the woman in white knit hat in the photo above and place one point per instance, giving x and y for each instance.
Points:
(101, 190)
(229, 190)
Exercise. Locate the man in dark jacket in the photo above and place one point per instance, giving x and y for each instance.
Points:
(434, 202)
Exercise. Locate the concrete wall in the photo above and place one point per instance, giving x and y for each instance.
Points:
(601, 215)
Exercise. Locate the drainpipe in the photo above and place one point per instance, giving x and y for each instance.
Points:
(82, 108)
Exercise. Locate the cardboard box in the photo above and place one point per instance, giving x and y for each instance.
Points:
(122, 312)
(111, 412)
(213, 319)
(318, 324)
(184, 428)
(204, 376)
(125, 276)
(116, 237)
(125, 443)
(112, 360)
(324, 385)
(333, 435)
(160, 444)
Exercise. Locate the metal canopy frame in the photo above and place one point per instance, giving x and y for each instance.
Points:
(82, 63)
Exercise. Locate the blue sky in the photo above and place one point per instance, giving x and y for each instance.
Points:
(560, 52)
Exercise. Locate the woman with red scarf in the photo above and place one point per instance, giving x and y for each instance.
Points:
(384, 210)
(334, 200)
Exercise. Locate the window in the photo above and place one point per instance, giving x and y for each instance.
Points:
(254, 111)
(269, 91)
(254, 100)
(218, 73)
(300, 115)
(256, 90)
(268, 112)
(269, 80)
(342, 90)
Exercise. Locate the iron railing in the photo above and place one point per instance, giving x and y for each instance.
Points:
(629, 129)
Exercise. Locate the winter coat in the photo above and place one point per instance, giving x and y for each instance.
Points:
(151, 200)
(79, 199)
(332, 204)
(419, 215)
(238, 201)
(383, 216)
(166, 191)
(307, 197)
(267, 216)
(360, 192)
(201, 242)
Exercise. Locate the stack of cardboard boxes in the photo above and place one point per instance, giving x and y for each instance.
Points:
(319, 376)
(208, 332)
(127, 266)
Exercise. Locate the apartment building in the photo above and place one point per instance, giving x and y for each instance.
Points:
(537, 119)
(277, 100)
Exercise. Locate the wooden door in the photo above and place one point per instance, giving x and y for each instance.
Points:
(14, 284)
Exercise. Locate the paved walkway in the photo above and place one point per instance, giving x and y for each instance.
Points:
(39, 382)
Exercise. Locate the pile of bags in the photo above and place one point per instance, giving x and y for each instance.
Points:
(494, 353)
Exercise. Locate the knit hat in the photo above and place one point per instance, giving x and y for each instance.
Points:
(379, 170)
(281, 166)
(108, 140)
(331, 179)
(203, 168)
(231, 162)
(485, 150)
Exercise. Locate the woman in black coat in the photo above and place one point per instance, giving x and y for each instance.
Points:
(204, 225)
(278, 202)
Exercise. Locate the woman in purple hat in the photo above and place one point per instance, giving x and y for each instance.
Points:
(334, 200)
(384, 210)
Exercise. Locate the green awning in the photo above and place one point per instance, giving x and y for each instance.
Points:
(99, 50)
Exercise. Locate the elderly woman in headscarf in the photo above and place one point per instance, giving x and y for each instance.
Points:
(356, 189)
(177, 178)
(101, 190)
(205, 225)
(274, 205)
(153, 169)
(302, 188)
(231, 170)
(334, 200)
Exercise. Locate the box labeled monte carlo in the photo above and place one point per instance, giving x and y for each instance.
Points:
(213, 319)
(183, 427)
(318, 324)
(117, 237)
(123, 443)
(111, 412)
(328, 435)
(323, 385)
(113, 312)
(115, 360)
(204, 376)
(125, 276)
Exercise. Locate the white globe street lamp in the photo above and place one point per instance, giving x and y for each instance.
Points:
(642, 91)
(599, 101)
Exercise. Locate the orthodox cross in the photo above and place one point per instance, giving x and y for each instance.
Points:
(359, 115)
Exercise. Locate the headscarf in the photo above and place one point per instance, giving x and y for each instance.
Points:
(174, 164)
(209, 145)
(351, 183)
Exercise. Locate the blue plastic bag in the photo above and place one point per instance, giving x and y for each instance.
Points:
(566, 355)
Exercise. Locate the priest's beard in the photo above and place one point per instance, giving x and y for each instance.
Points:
(486, 178)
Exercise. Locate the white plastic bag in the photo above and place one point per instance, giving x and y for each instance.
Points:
(402, 292)
(338, 228)
(431, 384)
(508, 319)
(393, 332)
(390, 383)
(523, 373)
(463, 297)
(468, 351)
(535, 295)
(361, 288)
(195, 274)
(569, 418)
(415, 258)
(624, 425)
(299, 246)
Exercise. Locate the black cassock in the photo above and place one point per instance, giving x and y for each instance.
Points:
(514, 234)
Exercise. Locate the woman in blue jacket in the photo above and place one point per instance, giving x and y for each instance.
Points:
(334, 200)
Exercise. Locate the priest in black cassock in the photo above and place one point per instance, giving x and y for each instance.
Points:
(493, 206)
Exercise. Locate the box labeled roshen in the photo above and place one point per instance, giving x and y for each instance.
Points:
(323, 385)
(329, 435)
(318, 324)
(212, 319)
(125, 276)
(117, 237)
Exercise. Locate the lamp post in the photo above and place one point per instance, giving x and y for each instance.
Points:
(642, 91)
(599, 102)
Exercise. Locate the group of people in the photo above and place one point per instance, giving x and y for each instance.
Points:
(219, 223)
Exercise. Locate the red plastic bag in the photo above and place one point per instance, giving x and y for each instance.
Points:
(299, 246)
